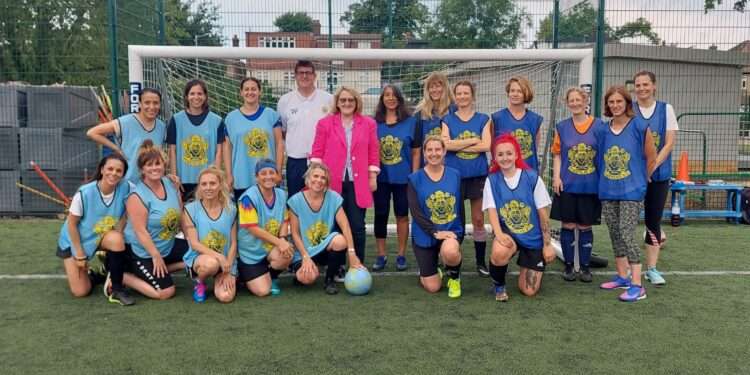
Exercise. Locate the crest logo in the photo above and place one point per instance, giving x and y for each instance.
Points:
(616, 162)
(215, 241)
(581, 159)
(256, 141)
(195, 151)
(441, 206)
(657, 139)
(103, 226)
(467, 134)
(390, 150)
(316, 233)
(273, 227)
(525, 140)
(516, 216)
(435, 131)
(170, 224)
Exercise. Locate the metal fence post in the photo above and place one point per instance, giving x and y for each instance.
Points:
(112, 15)
(599, 68)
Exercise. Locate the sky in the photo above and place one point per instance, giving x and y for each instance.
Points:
(680, 22)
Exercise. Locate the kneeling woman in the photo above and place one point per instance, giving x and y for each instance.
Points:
(211, 232)
(436, 204)
(313, 213)
(154, 209)
(95, 222)
(517, 202)
(264, 223)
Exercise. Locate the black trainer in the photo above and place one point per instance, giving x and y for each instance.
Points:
(482, 270)
(330, 287)
(122, 297)
(569, 274)
(585, 275)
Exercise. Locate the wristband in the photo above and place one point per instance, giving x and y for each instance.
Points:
(80, 258)
(305, 256)
(351, 250)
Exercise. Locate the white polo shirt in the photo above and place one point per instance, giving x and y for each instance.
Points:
(299, 115)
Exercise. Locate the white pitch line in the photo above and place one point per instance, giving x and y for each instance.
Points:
(412, 274)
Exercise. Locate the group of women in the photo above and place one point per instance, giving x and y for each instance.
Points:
(241, 229)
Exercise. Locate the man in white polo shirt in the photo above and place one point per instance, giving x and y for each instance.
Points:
(300, 111)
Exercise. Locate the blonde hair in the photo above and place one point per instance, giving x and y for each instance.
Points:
(526, 89)
(433, 138)
(578, 90)
(427, 107)
(315, 165)
(223, 188)
(354, 93)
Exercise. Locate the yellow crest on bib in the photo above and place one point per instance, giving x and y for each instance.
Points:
(103, 226)
(616, 163)
(256, 141)
(316, 233)
(441, 206)
(581, 159)
(467, 134)
(525, 140)
(657, 139)
(438, 131)
(273, 227)
(390, 150)
(170, 224)
(195, 151)
(215, 241)
(516, 216)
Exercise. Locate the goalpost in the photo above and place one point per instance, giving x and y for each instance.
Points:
(551, 72)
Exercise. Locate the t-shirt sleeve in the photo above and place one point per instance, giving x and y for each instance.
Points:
(418, 126)
(541, 196)
(555, 149)
(488, 200)
(221, 132)
(671, 119)
(277, 120)
(248, 217)
(171, 132)
(76, 205)
(416, 211)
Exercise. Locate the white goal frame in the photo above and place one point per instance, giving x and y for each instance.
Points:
(136, 54)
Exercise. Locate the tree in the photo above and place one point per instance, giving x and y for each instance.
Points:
(739, 5)
(183, 24)
(294, 22)
(579, 25)
(371, 16)
(476, 24)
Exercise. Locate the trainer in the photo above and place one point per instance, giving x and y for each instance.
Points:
(300, 111)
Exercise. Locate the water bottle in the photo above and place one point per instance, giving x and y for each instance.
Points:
(675, 213)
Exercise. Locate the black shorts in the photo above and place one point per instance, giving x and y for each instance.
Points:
(530, 258)
(427, 258)
(382, 197)
(321, 259)
(143, 267)
(188, 192)
(584, 209)
(64, 253)
(248, 272)
(473, 187)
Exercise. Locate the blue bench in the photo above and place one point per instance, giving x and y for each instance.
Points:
(731, 212)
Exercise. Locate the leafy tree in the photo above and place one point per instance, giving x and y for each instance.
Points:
(371, 16)
(294, 22)
(476, 24)
(579, 25)
(739, 5)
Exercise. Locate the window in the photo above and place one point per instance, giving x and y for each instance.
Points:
(744, 83)
(276, 42)
(364, 45)
(289, 79)
(263, 76)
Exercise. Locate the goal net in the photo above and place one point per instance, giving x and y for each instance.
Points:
(551, 72)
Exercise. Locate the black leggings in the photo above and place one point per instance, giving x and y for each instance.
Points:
(653, 207)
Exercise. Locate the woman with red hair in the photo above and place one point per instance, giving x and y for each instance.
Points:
(517, 202)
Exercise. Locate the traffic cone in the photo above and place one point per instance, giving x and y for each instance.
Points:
(682, 170)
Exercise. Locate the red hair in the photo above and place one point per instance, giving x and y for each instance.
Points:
(507, 138)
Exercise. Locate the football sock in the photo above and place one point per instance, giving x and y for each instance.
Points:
(497, 273)
(116, 266)
(585, 246)
(480, 249)
(567, 237)
(454, 272)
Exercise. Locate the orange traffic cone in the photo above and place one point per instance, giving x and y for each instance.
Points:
(682, 169)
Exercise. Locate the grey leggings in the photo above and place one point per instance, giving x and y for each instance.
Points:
(621, 218)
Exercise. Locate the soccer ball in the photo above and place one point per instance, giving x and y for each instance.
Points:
(358, 281)
(663, 240)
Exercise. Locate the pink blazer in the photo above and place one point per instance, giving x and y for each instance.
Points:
(329, 147)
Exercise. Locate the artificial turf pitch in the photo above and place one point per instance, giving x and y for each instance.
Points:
(697, 324)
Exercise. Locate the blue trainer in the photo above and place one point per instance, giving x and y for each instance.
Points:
(401, 263)
(275, 289)
(633, 293)
(380, 263)
(617, 282)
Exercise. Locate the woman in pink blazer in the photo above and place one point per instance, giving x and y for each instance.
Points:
(347, 142)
